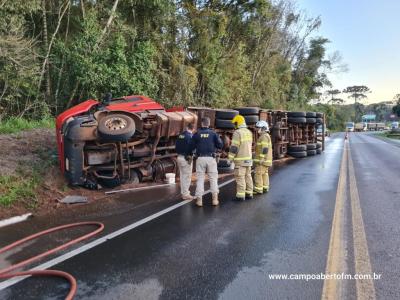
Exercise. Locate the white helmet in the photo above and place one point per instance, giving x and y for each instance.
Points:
(263, 125)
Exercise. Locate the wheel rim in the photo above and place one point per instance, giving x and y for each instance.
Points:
(116, 123)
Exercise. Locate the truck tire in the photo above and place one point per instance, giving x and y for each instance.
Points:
(248, 111)
(319, 151)
(116, 127)
(311, 114)
(311, 120)
(225, 114)
(311, 146)
(300, 120)
(224, 124)
(319, 115)
(224, 163)
(319, 145)
(108, 182)
(299, 154)
(297, 148)
(319, 121)
(296, 114)
(311, 152)
(225, 170)
(251, 119)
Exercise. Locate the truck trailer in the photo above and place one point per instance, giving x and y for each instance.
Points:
(132, 138)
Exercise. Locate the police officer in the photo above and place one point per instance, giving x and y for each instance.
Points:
(263, 158)
(183, 147)
(206, 142)
(240, 152)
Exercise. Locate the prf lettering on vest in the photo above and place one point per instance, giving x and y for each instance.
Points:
(181, 136)
(204, 135)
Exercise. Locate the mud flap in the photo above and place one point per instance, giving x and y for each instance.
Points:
(73, 152)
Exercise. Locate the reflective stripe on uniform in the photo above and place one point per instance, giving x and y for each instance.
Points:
(258, 188)
(243, 158)
(240, 195)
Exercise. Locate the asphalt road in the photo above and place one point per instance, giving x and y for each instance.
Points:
(230, 251)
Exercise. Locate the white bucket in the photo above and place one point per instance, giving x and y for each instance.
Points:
(170, 178)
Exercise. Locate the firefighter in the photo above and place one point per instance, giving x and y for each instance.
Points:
(185, 160)
(240, 152)
(263, 158)
(206, 142)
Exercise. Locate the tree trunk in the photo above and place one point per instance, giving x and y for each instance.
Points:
(46, 45)
(109, 21)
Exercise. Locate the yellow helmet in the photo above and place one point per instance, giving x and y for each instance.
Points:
(238, 120)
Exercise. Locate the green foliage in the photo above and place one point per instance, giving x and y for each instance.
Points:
(214, 53)
(14, 189)
(14, 125)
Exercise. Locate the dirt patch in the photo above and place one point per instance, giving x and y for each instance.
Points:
(31, 156)
(24, 149)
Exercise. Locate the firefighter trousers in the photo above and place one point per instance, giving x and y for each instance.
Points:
(261, 178)
(185, 174)
(205, 164)
(244, 182)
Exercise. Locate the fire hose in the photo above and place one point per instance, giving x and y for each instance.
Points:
(5, 273)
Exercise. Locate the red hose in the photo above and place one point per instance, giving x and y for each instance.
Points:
(4, 273)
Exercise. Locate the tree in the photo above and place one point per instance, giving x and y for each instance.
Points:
(396, 107)
(358, 92)
(334, 99)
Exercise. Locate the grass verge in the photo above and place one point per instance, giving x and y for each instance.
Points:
(23, 186)
(14, 125)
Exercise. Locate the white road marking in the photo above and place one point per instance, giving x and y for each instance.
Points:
(101, 240)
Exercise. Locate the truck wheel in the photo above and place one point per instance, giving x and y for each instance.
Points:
(135, 176)
(224, 163)
(225, 114)
(108, 182)
(311, 114)
(319, 121)
(319, 145)
(300, 120)
(299, 154)
(247, 111)
(297, 148)
(296, 114)
(319, 115)
(225, 170)
(311, 146)
(319, 151)
(224, 124)
(311, 120)
(251, 120)
(116, 127)
(311, 152)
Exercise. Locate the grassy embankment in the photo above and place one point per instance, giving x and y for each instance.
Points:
(21, 185)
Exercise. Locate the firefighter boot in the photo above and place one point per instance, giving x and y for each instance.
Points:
(215, 201)
(199, 201)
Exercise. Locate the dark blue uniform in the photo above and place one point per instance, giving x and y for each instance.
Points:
(183, 144)
(206, 142)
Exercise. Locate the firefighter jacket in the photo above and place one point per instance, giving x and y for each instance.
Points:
(241, 147)
(264, 150)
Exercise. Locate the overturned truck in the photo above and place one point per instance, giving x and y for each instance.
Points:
(132, 139)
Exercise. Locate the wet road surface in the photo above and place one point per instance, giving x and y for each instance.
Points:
(230, 251)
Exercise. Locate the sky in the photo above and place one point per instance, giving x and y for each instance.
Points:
(367, 34)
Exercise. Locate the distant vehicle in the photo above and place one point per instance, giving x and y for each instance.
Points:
(395, 125)
(360, 127)
(350, 126)
(380, 126)
(371, 126)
